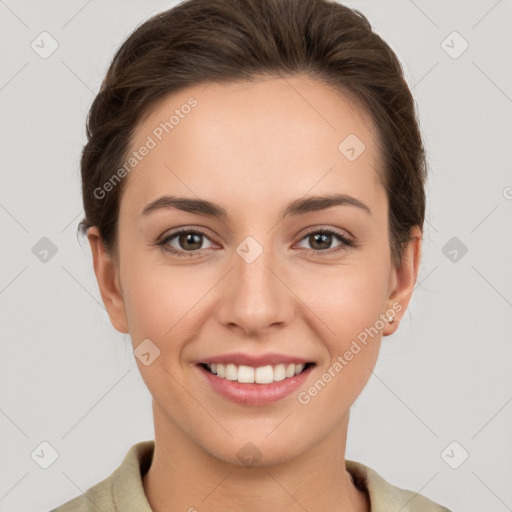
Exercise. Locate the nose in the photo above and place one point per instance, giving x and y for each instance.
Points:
(255, 296)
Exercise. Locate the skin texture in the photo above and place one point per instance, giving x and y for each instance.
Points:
(252, 148)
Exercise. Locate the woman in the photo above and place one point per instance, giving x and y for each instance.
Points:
(253, 185)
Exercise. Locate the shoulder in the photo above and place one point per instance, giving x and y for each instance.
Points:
(122, 490)
(98, 497)
(385, 497)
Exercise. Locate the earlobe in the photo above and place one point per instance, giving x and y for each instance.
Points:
(108, 281)
(404, 279)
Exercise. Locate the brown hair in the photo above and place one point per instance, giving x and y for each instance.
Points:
(200, 41)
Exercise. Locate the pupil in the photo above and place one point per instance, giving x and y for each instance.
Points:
(184, 239)
(323, 237)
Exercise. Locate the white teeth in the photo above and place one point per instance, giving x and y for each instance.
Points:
(260, 375)
(231, 372)
(279, 372)
(264, 375)
(246, 374)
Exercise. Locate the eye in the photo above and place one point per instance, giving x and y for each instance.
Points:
(321, 240)
(188, 242)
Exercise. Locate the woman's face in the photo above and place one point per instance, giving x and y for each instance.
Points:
(262, 280)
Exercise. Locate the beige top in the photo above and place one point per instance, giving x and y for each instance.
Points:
(122, 491)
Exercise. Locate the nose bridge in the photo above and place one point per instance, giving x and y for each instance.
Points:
(253, 263)
(254, 297)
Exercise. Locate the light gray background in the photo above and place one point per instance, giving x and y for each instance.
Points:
(66, 375)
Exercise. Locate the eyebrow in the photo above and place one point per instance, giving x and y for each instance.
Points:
(297, 207)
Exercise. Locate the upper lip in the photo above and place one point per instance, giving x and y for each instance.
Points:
(239, 358)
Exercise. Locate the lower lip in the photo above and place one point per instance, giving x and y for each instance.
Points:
(255, 394)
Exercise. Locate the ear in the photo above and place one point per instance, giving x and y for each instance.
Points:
(403, 281)
(107, 275)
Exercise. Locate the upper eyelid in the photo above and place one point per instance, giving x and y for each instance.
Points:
(320, 228)
(179, 231)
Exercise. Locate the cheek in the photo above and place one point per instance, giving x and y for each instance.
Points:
(348, 313)
(146, 300)
(159, 306)
(155, 296)
(350, 298)
(165, 304)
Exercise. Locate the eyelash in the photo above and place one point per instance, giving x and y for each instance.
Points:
(346, 242)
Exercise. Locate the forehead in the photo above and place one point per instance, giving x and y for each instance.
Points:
(243, 143)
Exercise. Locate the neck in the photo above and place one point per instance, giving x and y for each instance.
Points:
(183, 476)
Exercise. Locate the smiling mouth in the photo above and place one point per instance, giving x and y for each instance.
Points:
(259, 375)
